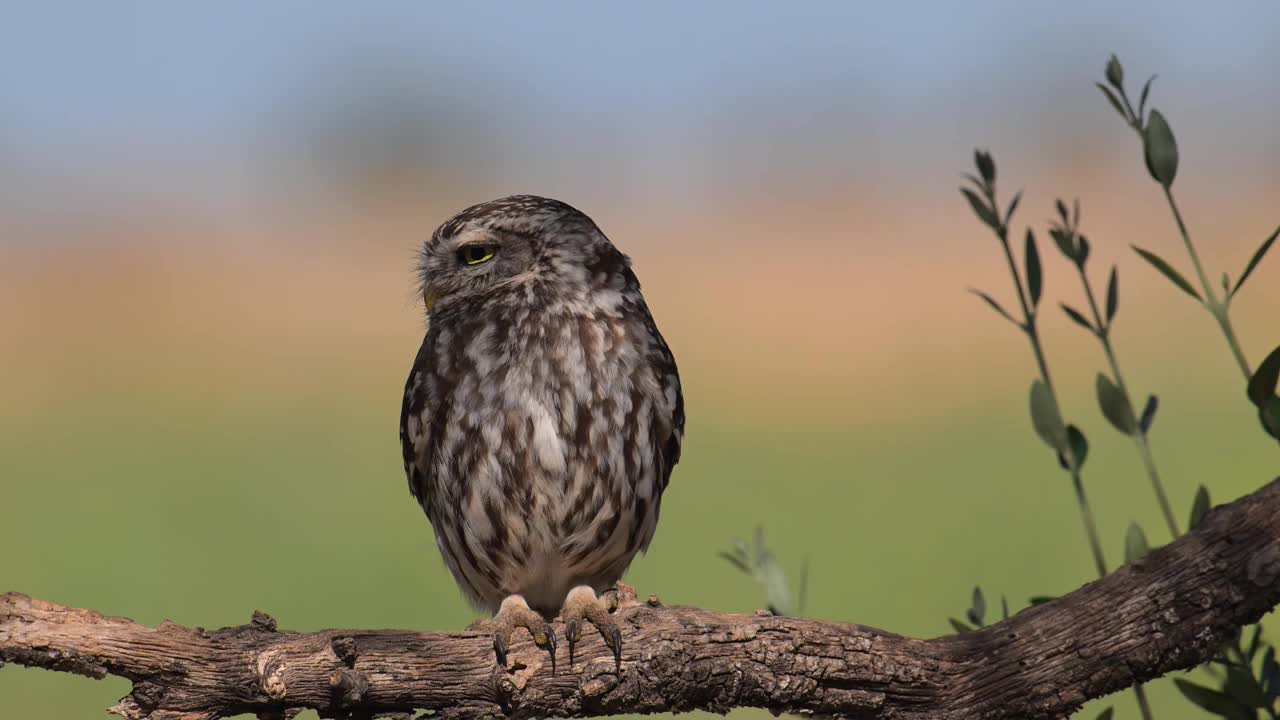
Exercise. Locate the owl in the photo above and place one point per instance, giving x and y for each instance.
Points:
(542, 417)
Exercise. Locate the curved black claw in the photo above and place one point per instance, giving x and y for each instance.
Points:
(500, 648)
(614, 640)
(551, 644)
(571, 634)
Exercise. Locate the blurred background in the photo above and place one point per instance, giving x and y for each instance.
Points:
(207, 225)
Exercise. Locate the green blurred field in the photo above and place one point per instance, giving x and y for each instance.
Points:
(199, 491)
(194, 432)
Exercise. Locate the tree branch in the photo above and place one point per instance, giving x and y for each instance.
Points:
(1168, 611)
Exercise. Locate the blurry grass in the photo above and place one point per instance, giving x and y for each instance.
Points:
(202, 506)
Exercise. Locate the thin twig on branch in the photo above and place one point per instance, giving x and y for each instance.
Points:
(1167, 612)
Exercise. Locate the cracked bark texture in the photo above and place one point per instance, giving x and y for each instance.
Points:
(1166, 612)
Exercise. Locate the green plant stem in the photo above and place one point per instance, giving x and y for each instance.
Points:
(1087, 515)
(1215, 307)
(1229, 332)
(1033, 335)
(1191, 248)
(1144, 448)
(1139, 436)
(1144, 707)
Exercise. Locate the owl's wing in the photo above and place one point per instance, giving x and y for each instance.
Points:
(669, 428)
(671, 452)
(417, 443)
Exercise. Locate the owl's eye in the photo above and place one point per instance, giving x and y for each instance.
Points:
(475, 254)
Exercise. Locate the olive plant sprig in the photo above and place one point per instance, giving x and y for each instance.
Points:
(1250, 685)
(1113, 396)
(1248, 673)
(1160, 151)
(1066, 440)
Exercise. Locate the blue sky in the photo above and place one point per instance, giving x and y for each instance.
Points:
(808, 89)
(91, 69)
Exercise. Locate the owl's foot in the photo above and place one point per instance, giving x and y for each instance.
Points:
(583, 605)
(515, 613)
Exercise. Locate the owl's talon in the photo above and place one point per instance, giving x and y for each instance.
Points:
(582, 604)
(515, 613)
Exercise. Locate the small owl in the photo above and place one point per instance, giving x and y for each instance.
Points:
(542, 417)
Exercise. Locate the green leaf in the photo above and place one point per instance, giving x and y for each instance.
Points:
(978, 611)
(1035, 281)
(803, 592)
(995, 306)
(1142, 101)
(1004, 607)
(1160, 149)
(959, 627)
(1013, 205)
(1262, 386)
(1254, 642)
(1270, 418)
(1045, 418)
(1115, 406)
(1115, 101)
(777, 589)
(770, 575)
(1065, 242)
(1115, 73)
(1270, 673)
(984, 213)
(1199, 508)
(1174, 276)
(1211, 700)
(1078, 318)
(735, 561)
(1062, 211)
(1079, 447)
(1041, 599)
(1135, 543)
(1113, 296)
(1253, 261)
(1082, 250)
(1106, 714)
(986, 166)
(1149, 414)
(1244, 689)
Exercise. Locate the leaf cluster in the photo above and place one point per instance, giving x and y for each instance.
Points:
(762, 565)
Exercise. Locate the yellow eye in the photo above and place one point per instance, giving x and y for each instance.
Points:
(475, 254)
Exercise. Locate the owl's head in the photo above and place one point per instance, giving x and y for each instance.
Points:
(512, 241)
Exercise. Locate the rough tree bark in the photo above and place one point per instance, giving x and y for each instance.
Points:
(1168, 611)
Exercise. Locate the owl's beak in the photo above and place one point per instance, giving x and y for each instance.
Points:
(429, 299)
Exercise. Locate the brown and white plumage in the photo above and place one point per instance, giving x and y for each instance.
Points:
(543, 415)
